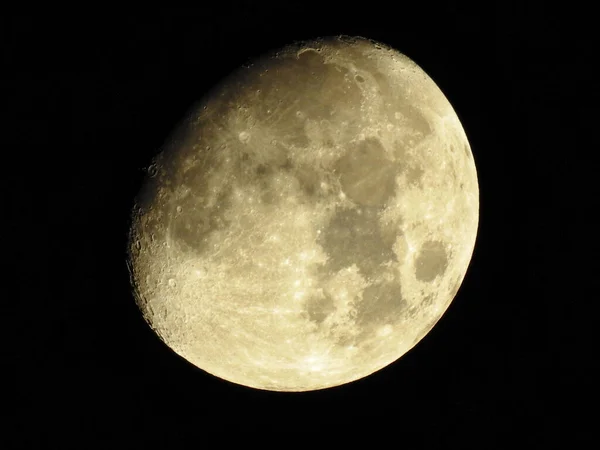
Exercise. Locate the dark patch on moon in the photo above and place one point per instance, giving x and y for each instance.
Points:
(381, 303)
(261, 170)
(263, 177)
(288, 164)
(310, 180)
(467, 151)
(359, 79)
(264, 171)
(432, 261)
(294, 90)
(390, 231)
(305, 83)
(354, 237)
(319, 307)
(197, 221)
(367, 176)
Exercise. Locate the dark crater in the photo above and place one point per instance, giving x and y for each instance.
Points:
(367, 176)
(381, 303)
(432, 261)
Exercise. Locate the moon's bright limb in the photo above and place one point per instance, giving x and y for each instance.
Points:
(310, 222)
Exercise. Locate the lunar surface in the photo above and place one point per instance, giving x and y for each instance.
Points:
(310, 221)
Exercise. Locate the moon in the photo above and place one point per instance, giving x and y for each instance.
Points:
(309, 221)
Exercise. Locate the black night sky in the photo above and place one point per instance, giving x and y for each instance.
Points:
(92, 95)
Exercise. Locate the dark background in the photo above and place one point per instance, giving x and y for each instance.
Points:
(91, 96)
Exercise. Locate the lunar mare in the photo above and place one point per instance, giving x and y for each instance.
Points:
(310, 221)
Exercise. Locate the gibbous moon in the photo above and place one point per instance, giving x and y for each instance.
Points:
(310, 221)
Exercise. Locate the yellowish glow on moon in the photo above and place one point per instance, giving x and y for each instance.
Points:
(311, 221)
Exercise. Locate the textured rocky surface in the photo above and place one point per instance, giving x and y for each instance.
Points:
(311, 222)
